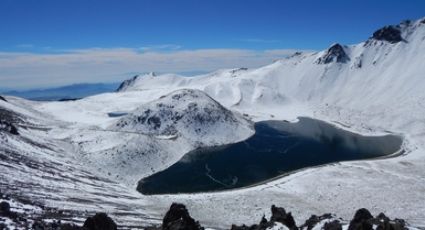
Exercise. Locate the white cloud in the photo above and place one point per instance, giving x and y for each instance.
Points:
(160, 47)
(258, 40)
(23, 70)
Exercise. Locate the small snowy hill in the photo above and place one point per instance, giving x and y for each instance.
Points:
(188, 113)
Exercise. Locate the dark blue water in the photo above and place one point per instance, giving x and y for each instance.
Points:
(277, 148)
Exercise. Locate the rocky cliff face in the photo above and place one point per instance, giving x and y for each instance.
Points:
(335, 53)
(391, 34)
(8, 121)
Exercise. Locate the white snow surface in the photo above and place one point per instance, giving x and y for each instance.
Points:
(95, 160)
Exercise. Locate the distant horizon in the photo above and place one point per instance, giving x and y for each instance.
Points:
(49, 44)
(184, 74)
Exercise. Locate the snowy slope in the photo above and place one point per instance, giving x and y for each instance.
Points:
(374, 87)
(372, 74)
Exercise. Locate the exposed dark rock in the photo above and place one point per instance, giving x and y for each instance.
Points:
(4, 208)
(280, 215)
(244, 227)
(361, 220)
(333, 225)
(406, 22)
(100, 221)
(8, 127)
(313, 220)
(233, 71)
(55, 225)
(6, 212)
(13, 130)
(264, 224)
(3, 99)
(391, 34)
(385, 223)
(422, 21)
(335, 53)
(178, 218)
(38, 225)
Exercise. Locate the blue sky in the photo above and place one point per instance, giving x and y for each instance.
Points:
(263, 28)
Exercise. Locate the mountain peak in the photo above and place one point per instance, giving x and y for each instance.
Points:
(130, 82)
(335, 53)
(151, 74)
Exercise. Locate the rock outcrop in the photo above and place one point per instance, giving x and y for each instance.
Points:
(391, 34)
(100, 221)
(178, 218)
(363, 220)
(313, 220)
(280, 215)
(335, 53)
(8, 127)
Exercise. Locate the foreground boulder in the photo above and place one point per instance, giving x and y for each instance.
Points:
(279, 216)
(100, 221)
(41, 225)
(6, 212)
(4, 208)
(178, 218)
(314, 220)
(384, 223)
(363, 220)
(333, 225)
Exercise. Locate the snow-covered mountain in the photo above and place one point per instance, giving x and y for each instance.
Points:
(383, 70)
(80, 157)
